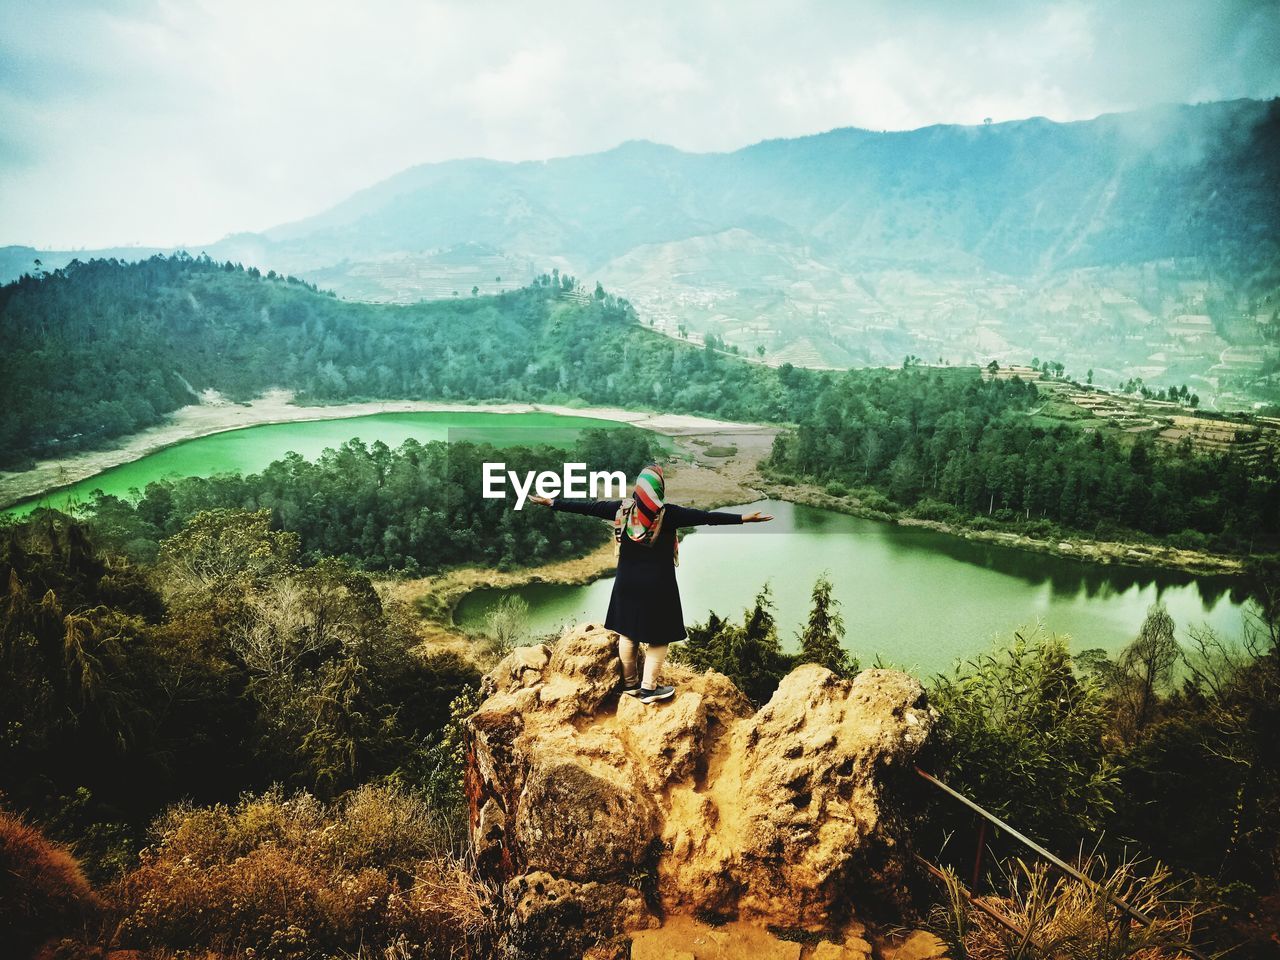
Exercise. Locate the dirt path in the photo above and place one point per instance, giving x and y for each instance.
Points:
(276, 406)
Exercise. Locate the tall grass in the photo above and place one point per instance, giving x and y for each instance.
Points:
(1064, 919)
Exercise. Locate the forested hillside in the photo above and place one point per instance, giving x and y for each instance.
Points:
(952, 448)
(100, 349)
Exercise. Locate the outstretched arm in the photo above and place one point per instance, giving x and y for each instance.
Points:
(689, 517)
(602, 509)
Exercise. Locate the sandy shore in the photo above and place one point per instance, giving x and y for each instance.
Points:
(434, 599)
(276, 406)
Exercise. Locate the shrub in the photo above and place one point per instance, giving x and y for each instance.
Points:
(1042, 530)
(822, 638)
(1189, 540)
(935, 510)
(43, 891)
(1108, 529)
(443, 762)
(836, 489)
(878, 502)
(295, 877)
(749, 655)
(1023, 736)
(506, 626)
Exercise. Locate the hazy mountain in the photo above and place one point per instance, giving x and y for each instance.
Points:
(1015, 197)
(1082, 241)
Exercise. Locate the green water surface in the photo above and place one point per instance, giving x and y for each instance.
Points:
(250, 449)
(916, 598)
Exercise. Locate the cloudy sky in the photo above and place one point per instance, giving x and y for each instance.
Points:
(179, 121)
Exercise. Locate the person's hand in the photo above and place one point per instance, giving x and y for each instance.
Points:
(756, 517)
(542, 501)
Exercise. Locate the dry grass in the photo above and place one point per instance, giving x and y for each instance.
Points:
(289, 877)
(43, 892)
(1063, 918)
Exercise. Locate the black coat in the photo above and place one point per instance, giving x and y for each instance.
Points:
(645, 605)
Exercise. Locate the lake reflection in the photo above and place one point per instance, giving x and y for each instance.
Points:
(917, 598)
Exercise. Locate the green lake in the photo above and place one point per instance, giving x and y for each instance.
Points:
(249, 449)
(916, 598)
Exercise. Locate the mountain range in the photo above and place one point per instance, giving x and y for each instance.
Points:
(1088, 242)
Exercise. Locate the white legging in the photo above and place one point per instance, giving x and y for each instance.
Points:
(654, 658)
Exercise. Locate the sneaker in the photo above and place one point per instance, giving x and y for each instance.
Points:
(653, 696)
(629, 690)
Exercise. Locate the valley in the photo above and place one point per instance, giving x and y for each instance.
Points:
(878, 567)
(1147, 323)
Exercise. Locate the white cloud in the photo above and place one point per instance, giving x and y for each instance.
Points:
(160, 121)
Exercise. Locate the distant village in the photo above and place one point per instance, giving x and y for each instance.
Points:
(1171, 422)
(1150, 322)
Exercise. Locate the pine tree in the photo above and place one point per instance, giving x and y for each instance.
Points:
(821, 641)
(748, 654)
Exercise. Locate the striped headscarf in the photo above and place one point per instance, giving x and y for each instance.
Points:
(649, 497)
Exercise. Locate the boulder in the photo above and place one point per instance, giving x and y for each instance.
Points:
(548, 916)
(596, 815)
(684, 938)
(855, 949)
(919, 945)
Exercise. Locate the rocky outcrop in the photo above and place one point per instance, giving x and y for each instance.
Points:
(595, 815)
